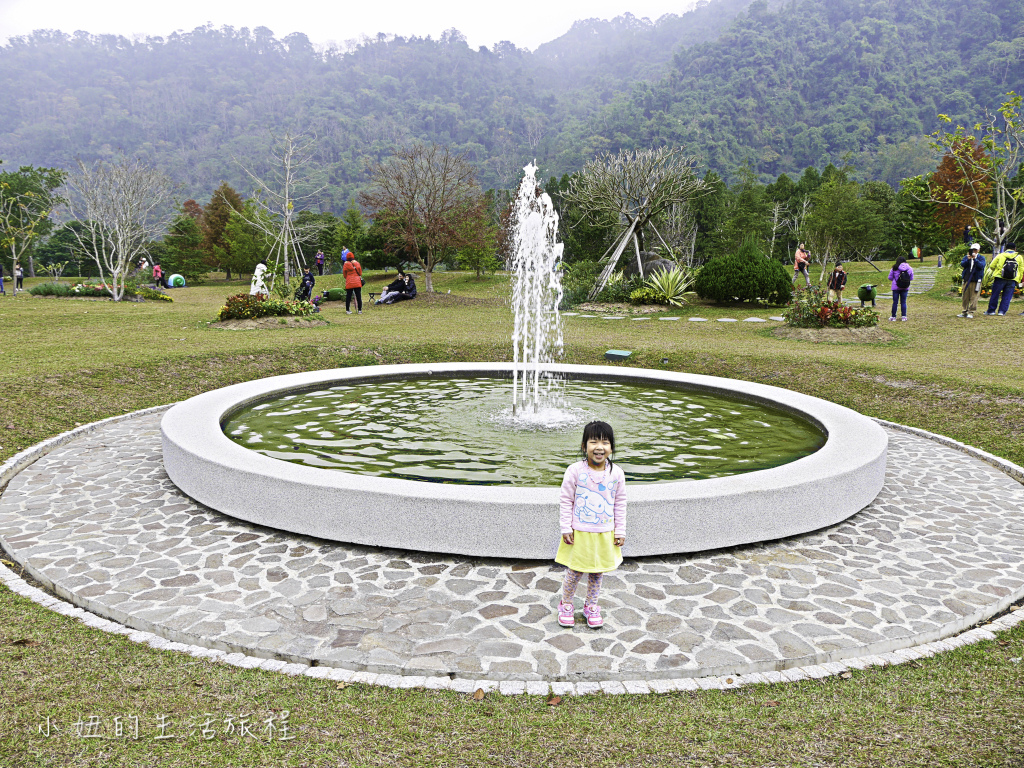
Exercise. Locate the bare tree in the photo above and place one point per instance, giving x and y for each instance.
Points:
(278, 197)
(779, 224)
(123, 205)
(427, 202)
(679, 226)
(636, 187)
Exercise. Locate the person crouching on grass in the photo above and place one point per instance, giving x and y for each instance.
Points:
(592, 518)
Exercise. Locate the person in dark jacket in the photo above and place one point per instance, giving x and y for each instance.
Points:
(973, 265)
(406, 289)
(395, 286)
(836, 282)
(306, 288)
(901, 274)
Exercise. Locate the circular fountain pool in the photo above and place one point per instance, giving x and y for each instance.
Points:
(463, 430)
(669, 515)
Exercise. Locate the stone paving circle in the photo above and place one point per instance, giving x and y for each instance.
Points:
(93, 517)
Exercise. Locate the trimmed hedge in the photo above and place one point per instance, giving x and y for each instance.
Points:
(744, 276)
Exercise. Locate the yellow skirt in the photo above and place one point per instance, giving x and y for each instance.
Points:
(590, 552)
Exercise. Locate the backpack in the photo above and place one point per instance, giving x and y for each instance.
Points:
(902, 279)
(1010, 269)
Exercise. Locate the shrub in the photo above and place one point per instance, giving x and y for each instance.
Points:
(51, 289)
(149, 294)
(577, 280)
(618, 288)
(811, 309)
(645, 295)
(953, 257)
(244, 306)
(746, 275)
(670, 287)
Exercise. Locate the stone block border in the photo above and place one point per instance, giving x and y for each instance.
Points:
(511, 687)
(19, 586)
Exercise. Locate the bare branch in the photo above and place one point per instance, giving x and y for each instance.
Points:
(122, 205)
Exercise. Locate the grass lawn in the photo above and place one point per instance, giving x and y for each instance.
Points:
(68, 362)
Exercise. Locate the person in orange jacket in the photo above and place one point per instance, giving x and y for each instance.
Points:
(353, 272)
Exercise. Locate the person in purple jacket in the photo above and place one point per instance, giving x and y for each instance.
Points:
(592, 519)
(901, 275)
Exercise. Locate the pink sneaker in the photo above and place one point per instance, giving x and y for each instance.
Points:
(593, 614)
(566, 614)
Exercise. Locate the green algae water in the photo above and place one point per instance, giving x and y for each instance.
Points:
(463, 431)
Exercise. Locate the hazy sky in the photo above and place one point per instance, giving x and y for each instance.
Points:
(527, 23)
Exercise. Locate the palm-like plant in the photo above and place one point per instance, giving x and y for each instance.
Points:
(671, 286)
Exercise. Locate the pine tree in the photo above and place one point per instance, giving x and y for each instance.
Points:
(185, 252)
(216, 214)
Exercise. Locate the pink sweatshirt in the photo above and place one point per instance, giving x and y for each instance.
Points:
(593, 501)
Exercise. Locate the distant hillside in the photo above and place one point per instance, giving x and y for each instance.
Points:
(195, 103)
(599, 52)
(779, 85)
(817, 79)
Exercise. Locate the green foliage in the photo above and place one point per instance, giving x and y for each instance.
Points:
(249, 243)
(812, 309)
(577, 280)
(916, 222)
(51, 289)
(63, 245)
(842, 222)
(243, 306)
(27, 197)
(645, 295)
(184, 250)
(617, 289)
(480, 260)
(147, 293)
(746, 275)
(747, 213)
(670, 287)
(224, 202)
(952, 259)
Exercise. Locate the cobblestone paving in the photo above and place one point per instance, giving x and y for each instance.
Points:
(941, 548)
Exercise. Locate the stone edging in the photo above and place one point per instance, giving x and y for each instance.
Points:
(506, 687)
(510, 687)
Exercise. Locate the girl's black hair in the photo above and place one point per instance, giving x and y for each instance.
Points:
(598, 430)
(901, 259)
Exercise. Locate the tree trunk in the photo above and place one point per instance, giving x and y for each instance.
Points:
(31, 266)
(639, 261)
(227, 274)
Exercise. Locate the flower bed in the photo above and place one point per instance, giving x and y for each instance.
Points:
(812, 309)
(244, 306)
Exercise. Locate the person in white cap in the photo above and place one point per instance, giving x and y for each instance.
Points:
(973, 265)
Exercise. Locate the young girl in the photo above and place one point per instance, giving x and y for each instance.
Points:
(592, 517)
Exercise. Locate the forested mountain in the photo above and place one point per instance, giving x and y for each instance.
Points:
(778, 86)
(816, 79)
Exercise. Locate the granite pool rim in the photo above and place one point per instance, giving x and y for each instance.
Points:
(671, 517)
